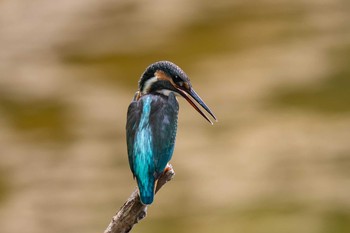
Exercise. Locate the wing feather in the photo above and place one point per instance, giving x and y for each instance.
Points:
(133, 119)
(163, 120)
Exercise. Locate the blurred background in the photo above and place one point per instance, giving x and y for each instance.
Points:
(275, 73)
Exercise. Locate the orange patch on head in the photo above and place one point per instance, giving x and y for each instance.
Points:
(161, 75)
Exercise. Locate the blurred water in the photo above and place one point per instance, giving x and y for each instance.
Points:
(276, 74)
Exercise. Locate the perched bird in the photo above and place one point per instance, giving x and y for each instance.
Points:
(152, 122)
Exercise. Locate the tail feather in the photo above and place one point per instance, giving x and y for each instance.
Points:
(146, 190)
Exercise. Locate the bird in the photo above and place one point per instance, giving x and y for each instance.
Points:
(151, 125)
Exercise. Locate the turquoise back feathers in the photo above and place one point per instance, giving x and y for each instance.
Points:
(151, 131)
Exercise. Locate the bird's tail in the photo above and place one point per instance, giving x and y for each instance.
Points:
(146, 190)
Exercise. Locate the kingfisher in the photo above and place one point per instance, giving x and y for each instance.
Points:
(152, 122)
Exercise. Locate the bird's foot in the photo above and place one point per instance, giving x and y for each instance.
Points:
(168, 168)
(166, 176)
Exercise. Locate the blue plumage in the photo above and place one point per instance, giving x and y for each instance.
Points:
(143, 154)
(152, 122)
(151, 131)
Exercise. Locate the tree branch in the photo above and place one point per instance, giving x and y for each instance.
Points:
(133, 210)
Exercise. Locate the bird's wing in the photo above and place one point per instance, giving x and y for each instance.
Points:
(134, 111)
(163, 121)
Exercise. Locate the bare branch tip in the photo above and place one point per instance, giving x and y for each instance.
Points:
(133, 210)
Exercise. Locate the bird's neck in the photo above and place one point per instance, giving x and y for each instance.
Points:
(147, 85)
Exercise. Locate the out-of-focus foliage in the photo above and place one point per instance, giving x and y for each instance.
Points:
(331, 95)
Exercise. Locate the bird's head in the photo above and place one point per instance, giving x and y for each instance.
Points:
(164, 77)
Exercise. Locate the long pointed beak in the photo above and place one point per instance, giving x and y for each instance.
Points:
(191, 93)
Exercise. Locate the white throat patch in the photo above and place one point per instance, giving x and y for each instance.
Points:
(148, 84)
(165, 92)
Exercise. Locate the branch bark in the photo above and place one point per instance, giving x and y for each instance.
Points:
(133, 210)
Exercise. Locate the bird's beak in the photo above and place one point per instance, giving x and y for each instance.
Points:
(187, 94)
